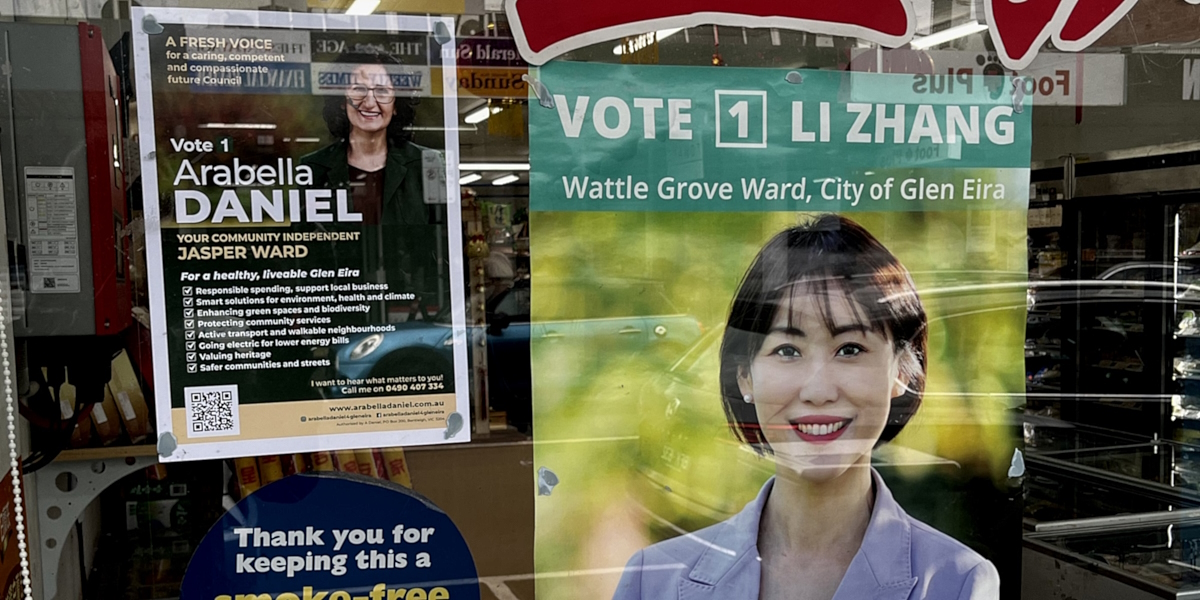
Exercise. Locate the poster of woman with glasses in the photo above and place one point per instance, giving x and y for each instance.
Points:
(301, 231)
(372, 156)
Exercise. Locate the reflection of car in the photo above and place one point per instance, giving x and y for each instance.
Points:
(510, 331)
(685, 484)
(414, 348)
(960, 293)
(1143, 281)
(423, 347)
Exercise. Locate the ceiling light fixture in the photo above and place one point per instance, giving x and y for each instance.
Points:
(481, 115)
(506, 179)
(643, 41)
(947, 35)
(493, 166)
(237, 126)
(469, 179)
(362, 7)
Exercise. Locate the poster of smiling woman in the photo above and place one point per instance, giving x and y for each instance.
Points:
(782, 324)
(303, 238)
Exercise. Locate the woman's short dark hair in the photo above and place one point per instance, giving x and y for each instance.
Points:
(404, 110)
(827, 251)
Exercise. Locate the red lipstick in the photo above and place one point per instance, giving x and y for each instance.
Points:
(820, 429)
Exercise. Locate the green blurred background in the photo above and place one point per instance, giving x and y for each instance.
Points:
(636, 436)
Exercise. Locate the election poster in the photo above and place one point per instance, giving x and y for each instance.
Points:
(771, 299)
(303, 232)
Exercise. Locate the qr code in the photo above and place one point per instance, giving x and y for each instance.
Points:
(212, 410)
(49, 283)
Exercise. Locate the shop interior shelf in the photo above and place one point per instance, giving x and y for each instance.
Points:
(80, 454)
(1137, 328)
(1045, 355)
(1039, 387)
(1124, 369)
(1045, 314)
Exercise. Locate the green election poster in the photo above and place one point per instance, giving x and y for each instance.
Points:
(303, 238)
(768, 298)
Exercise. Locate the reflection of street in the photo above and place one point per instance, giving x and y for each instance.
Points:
(621, 352)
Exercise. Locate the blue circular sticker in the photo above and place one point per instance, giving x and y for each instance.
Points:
(332, 536)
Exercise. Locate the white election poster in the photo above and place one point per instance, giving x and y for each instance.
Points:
(305, 273)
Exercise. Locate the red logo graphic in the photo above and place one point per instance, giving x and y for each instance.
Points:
(1020, 28)
(545, 29)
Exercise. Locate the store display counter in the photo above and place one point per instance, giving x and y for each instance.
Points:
(1068, 503)
(1157, 469)
(1119, 522)
(1045, 434)
(1133, 561)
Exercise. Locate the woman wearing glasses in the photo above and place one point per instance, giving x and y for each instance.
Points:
(371, 152)
(373, 156)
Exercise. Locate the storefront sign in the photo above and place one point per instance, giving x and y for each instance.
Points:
(487, 82)
(335, 78)
(489, 67)
(301, 299)
(404, 48)
(488, 52)
(299, 538)
(1052, 79)
(734, 262)
(547, 28)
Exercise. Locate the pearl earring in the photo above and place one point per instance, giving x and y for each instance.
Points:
(748, 399)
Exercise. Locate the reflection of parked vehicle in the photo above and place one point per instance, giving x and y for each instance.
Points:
(1146, 281)
(1142, 281)
(414, 348)
(510, 331)
(423, 347)
(688, 494)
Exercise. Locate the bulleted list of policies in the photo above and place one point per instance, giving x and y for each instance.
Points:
(251, 320)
